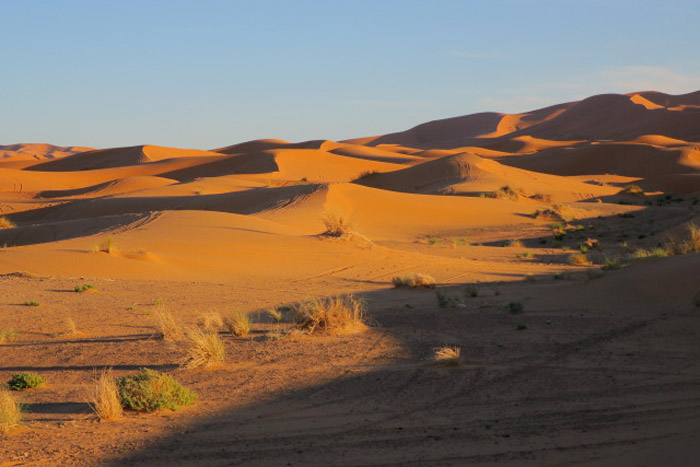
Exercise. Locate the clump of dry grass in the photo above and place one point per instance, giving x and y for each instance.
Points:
(105, 400)
(107, 246)
(555, 212)
(10, 411)
(341, 314)
(6, 223)
(202, 349)
(447, 356)
(579, 259)
(506, 192)
(337, 224)
(166, 326)
(632, 189)
(514, 243)
(414, 280)
(239, 323)
(212, 321)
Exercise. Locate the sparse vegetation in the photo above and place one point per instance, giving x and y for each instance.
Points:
(150, 390)
(612, 263)
(238, 323)
(632, 189)
(105, 400)
(202, 349)
(84, 288)
(10, 411)
(578, 259)
(8, 335)
(444, 300)
(211, 321)
(6, 223)
(31, 303)
(337, 224)
(447, 356)
(514, 243)
(345, 313)
(107, 246)
(505, 192)
(166, 326)
(21, 381)
(415, 281)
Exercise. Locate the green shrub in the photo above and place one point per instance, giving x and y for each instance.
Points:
(84, 288)
(31, 303)
(22, 381)
(149, 390)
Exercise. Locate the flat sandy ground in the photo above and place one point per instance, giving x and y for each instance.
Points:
(599, 367)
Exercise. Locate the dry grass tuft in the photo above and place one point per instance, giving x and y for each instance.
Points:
(579, 259)
(415, 281)
(506, 192)
(10, 411)
(343, 314)
(106, 246)
(105, 401)
(166, 326)
(632, 189)
(211, 322)
(447, 356)
(202, 349)
(239, 323)
(6, 223)
(337, 224)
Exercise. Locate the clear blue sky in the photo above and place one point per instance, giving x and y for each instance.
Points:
(206, 74)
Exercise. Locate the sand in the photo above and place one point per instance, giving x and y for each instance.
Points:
(600, 368)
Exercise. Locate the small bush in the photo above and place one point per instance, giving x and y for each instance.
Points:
(447, 356)
(612, 263)
(202, 349)
(107, 246)
(166, 326)
(31, 303)
(515, 307)
(632, 189)
(149, 390)
(345, 313)
(514, 243)
(211, 321)
(337, 224)
(6, 223)
(10, 411)
(84, 288)
(105, 401)
(657, 252)
(21, 381)
(415, 281)
(238, 323)
(505, 192)
(578, 259)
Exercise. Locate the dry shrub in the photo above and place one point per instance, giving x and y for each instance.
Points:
(202, 349)
(555, 212)
(632, 189)
(579, 259)
(10, 411)
(211, 321)
(239, 323)
(337, 224)
(514, 243)
(506, 192)
(6, 223)
(105, 400)
(447, 356)
(166, 326)
(415, 281)
(341, 314)
(107, 246)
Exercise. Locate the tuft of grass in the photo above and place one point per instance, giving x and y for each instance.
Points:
(612, 263)
(345, 313)
(8, 335)
(107, 246)
(578, 259)
(21, 381)
(10, 411)
(414, 280)
(105, 399)
(337, 224)
(632, 189)
(505, 192)
(444, 300)
(447, 356)
(84, 288)
(150, 390)
(658, 252)
(211, 321)
(202, 349)
(6, 223)
(515, 307)
(31, 303)
(514, 243)
(238, 323)
(166, 326)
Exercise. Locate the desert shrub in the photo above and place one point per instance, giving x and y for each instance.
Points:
(555, 212)
(8, 335)
(337, 224)
(166, 326)
(471, 291)
(414, 280)
(10, 411)
(515, 307)
(658, 252)
(150, 390)
(107, 246)
(6, 223)
(612, 263)
(84, 288)
(632, 189)
(211, 321)
(578, 259)
(31, 303)
(202, 349)
(505, 192)
(238, 323)
(447, 356)
(544, 197)
(514, 243)
(21, 381)
(334, 314)
(105, 400)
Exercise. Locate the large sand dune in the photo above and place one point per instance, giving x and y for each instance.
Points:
(600, 367)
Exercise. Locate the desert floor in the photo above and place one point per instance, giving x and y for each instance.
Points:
(601, 367)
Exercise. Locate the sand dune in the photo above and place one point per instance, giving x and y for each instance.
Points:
(37, 152)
